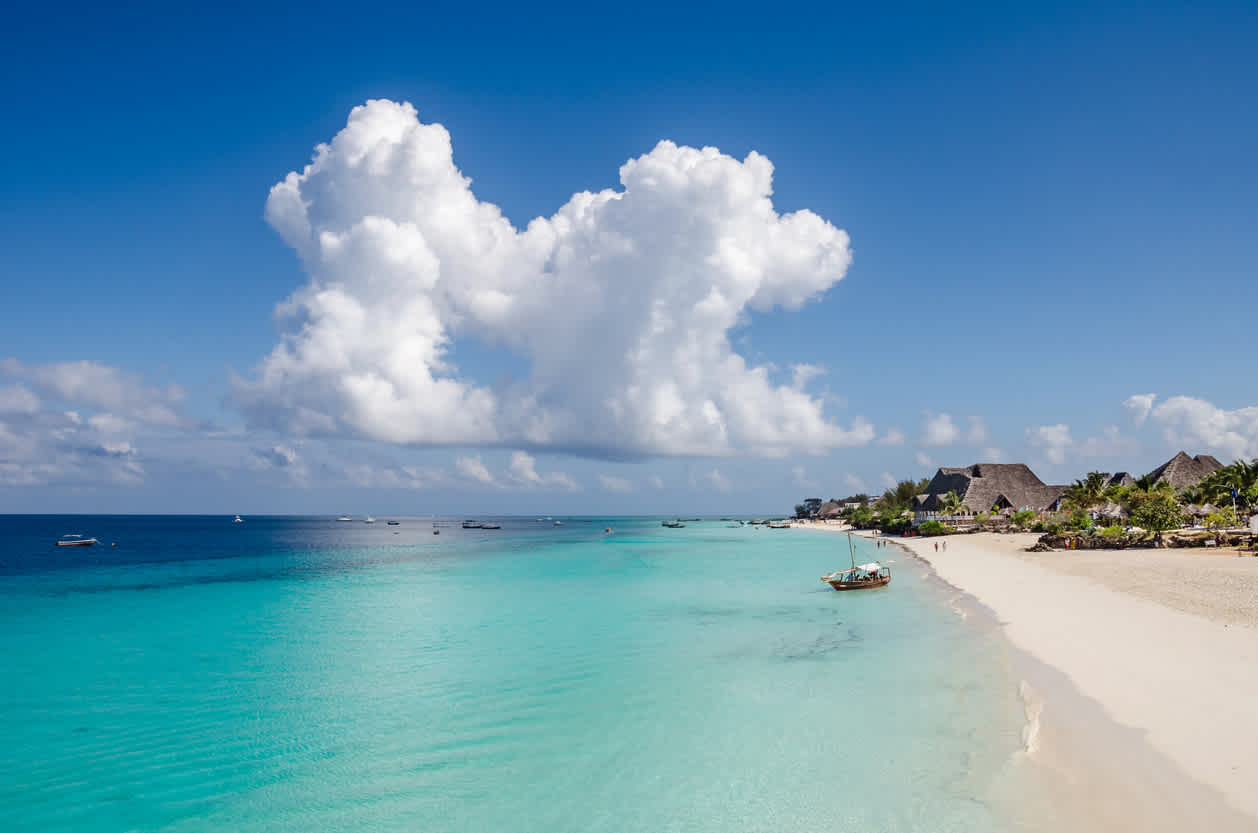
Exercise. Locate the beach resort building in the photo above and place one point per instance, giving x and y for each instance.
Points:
(986, 487)
(1182, 471)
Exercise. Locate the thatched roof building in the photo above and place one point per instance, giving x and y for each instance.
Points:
(1121, 478)
(1182, 471)
(1110, 512)
(986, 487)
(829, 510)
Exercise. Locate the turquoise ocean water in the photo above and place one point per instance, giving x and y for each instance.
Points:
(304, 674)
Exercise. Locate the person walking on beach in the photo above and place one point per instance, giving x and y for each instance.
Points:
(936, 546)
(945, 543)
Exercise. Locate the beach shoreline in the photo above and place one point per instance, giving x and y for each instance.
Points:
(1139, 688)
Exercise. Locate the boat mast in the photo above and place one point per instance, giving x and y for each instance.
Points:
(850, 550)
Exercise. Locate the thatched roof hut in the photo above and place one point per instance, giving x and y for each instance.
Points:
(984, 487)
(1182, 471)
(1121, 478)
(1110, 512)
(830, 509)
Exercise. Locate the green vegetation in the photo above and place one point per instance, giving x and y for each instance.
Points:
(1222, 519)
(1090, 492)
(931, 528)
(1217, 488)
(951, 504)
(1156, 510)
(901, 497)
(1023, 519)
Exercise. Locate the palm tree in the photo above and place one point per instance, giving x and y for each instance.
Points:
(1091, 491)
(951, 504)
(1240, 476)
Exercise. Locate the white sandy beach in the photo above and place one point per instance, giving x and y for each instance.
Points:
(1164, 642)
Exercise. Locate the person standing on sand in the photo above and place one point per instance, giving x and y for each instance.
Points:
(936, 546)
(945, 543)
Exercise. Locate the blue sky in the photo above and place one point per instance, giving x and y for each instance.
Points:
(1050, 211)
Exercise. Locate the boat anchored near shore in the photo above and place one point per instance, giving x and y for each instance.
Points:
(859, 576)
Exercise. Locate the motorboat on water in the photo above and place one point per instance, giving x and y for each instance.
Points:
(673, 524)
(238, 520)
(75, 541)
(490, 526)
(472, 525)
(393, 523)
(345, 518)
(558, 523)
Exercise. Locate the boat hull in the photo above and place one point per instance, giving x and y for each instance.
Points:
(881, 581)
(90, 542)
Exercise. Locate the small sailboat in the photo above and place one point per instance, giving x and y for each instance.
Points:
(369, 520)
(75, 541)
(858, 577)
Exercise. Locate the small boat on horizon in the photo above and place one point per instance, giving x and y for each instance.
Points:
(393, 523)
(558, 523)
(345, 518)
(369, 520)
(75, 541)
(490, 526)
(673, 524)
(238, 520)
(472, 525)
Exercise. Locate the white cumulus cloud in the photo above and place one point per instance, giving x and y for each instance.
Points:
(101, 387)
(894, 436)
(1054, 440)
(474, 468)
(939, 430)
(1138, 406)
(621, 303)
(1233, 433)
(1111, 442)
(522, 469)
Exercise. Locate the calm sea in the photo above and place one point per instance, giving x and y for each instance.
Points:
(306, 674)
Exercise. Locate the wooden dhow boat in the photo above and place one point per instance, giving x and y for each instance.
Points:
(859, 576)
